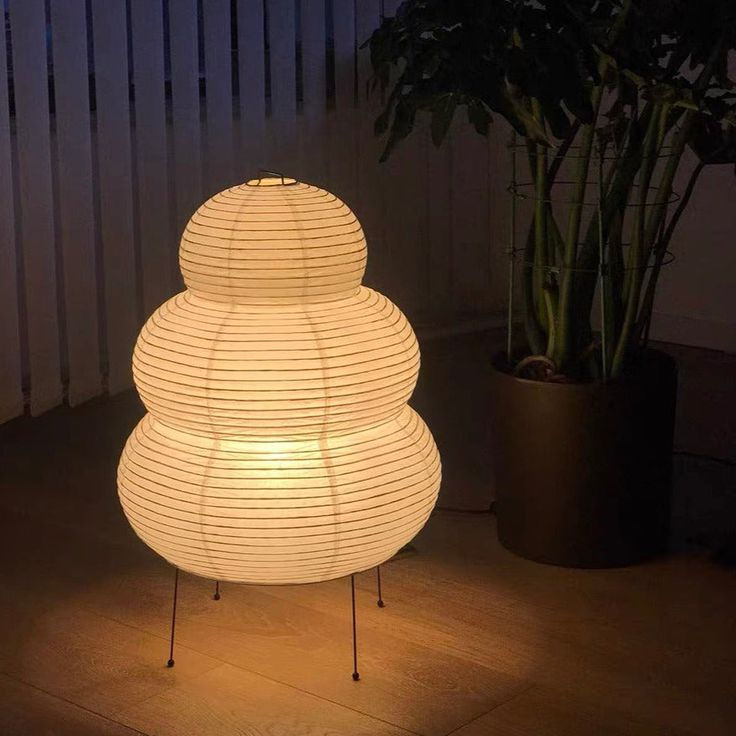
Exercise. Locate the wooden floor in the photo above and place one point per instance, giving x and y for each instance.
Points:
(473, 641)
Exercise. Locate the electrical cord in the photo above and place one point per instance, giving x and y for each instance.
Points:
(457, 510)
(710, 458)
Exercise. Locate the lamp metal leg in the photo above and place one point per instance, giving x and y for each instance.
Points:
(170, 663)
(356, 675)
(216, 596)
(379, 602)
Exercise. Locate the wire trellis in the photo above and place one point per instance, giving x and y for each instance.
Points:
(603, 271)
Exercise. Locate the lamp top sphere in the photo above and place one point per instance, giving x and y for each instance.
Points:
(273, 240)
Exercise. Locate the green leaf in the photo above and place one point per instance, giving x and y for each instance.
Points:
(531, 128)
(478, 116)
(380, 126)
(713, 142)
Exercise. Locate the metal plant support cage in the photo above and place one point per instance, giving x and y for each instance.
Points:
(517, 191)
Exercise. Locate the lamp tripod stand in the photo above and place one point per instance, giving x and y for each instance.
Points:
(216, 596)
(279, 447)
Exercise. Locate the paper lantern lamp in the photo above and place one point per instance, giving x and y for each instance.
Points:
(278, 446)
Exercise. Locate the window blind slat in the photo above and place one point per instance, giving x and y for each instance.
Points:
(282, 43)
(151, 151)
(313, 133)
(252, 86)
(11, 394)
(406, 186)
(371, 203)
(343, 120)
(75, 198)
(187, 159)
(99, 190)
(30, 77)
(219, 163)
(110, 31)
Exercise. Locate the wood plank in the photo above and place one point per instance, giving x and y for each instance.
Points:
(152, 185)
(115, 185)
(256, 629)
(615, 638)
(187, 159)
(230, 700)
(218, 162)
(555, 713)
(252, 81)
(30, 73)
(28, 710)
(11, 393)
(249, 628)
(90, 660)
(282, 147)
(75, 197)
(612, 639)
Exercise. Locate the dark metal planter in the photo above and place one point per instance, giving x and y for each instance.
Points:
(583, 471)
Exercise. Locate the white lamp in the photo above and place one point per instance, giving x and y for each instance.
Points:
(278, 447)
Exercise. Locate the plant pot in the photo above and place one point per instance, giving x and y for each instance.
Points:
(583, 472)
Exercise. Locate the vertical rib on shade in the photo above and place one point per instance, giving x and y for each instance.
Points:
(279, 447)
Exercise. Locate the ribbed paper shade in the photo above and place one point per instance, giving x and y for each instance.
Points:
(279, 447)
(265, 242)
(234, 370)
(281, 511)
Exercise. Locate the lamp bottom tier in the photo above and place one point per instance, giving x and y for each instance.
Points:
(279, 511)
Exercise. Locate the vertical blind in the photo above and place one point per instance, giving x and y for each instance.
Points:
(119, 117)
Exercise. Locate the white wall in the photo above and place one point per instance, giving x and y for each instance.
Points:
(696, 301)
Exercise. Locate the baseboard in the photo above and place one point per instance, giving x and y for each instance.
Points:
(428, 330)
(701, 333)
(673, 328)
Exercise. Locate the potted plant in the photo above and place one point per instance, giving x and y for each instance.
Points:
(611, 92)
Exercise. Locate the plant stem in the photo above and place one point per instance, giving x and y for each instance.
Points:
(647, 305)
(636, 263)
(561, 153)
(548, 300)
(660, 207)
(563, 326)
(541, 255)
(556, 242)
(678, 144)
(616, 200)
(532, 328)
